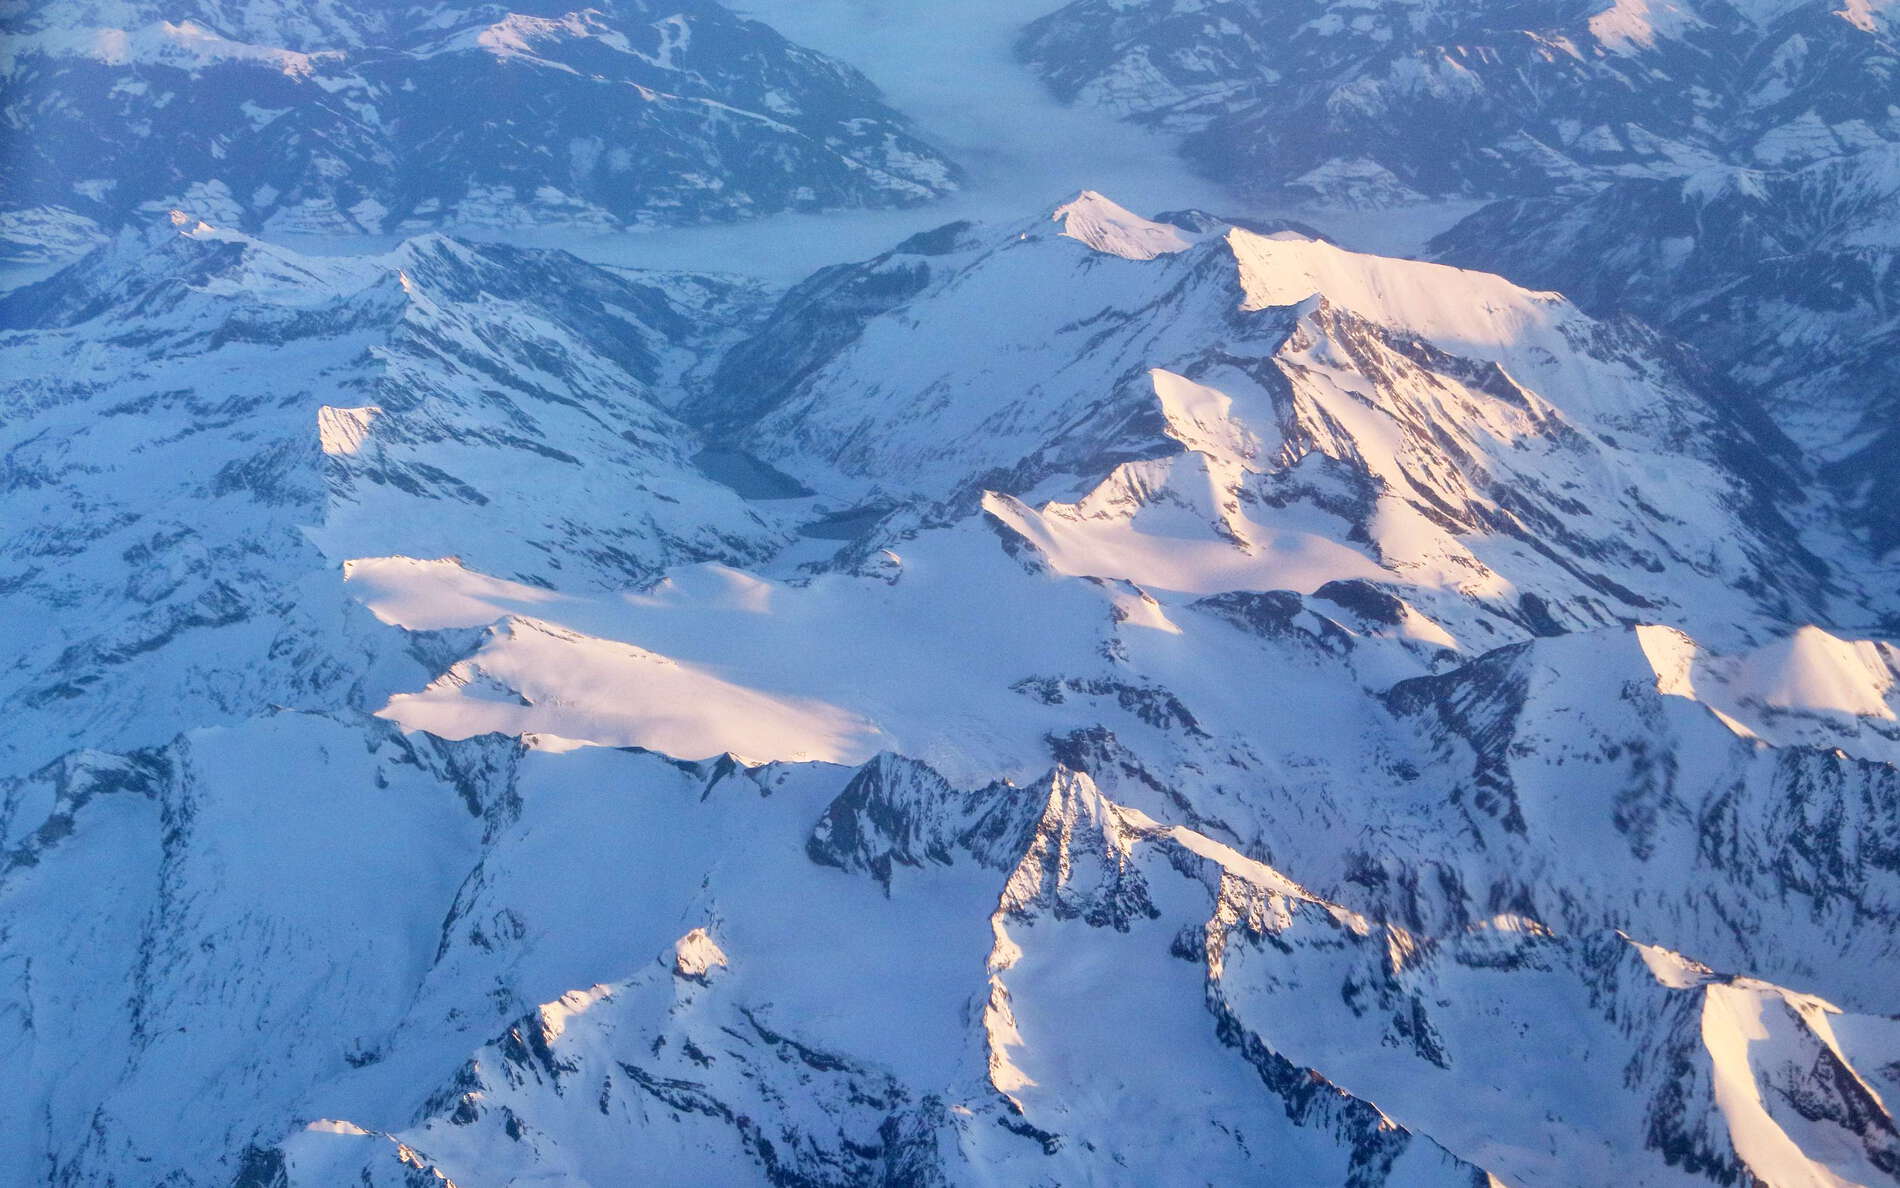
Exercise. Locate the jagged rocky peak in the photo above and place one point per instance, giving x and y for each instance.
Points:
(899, 812)
(335, 117)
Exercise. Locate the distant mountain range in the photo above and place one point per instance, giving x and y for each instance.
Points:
(1384, 104)
(341, 118)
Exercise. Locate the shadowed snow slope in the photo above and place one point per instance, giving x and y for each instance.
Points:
(1783, 278)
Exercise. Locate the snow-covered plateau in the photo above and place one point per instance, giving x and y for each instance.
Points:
(657, 594)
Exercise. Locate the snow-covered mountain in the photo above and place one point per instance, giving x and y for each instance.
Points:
(346, 118)
(1189, 379)
(197, 421)
(1385, 104)
(1784, 280)
(1726, 172)
(1096, 699)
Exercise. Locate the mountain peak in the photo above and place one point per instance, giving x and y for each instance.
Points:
(1114, 230)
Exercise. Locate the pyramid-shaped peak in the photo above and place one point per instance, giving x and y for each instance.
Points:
(1814, 671)
(1113, 229)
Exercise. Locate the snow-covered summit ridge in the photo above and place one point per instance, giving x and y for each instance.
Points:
(1807, 687)
(182, 45)
(1116, 410)
(1478, 310)
(1110, 228)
